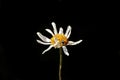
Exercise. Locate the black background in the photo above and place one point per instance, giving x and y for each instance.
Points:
(20, 54)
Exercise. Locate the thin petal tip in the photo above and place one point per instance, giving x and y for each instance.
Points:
(37, 33)
(43, 52)
(53, 23)
(81, 40)
(69, 26)
(37, 40)
(67, 54)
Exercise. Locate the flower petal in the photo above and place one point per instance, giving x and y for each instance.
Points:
(44, 38)
(74, 43)
(54, 27)
(48, 30)
(65, 50)
(47, 49)
(56, 45)
(61, 30)
(44, 43)
(68, 31)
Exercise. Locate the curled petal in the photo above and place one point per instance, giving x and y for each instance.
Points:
(48, 30)
(65, 50)
(54, 27)
(44, 38)
(61, 30)
(68, 31)
(74, 43)
(47, 49)
(44, 43)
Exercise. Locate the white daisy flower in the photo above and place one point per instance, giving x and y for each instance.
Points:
(58, 39)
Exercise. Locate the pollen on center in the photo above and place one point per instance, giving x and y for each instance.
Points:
(60, 38)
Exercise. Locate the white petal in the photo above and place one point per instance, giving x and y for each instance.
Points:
(68, 31)
(54, 27)
(56, 45)
(74, 43)
(44, 43)
(48, 30)
(65, 50)
(47, 49)
(44, 38)
(61, 30)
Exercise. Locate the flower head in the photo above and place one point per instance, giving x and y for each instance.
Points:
(58, 39)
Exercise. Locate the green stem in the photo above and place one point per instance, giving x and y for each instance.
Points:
(60, 64)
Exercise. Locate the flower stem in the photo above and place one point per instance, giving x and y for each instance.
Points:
(60, 64)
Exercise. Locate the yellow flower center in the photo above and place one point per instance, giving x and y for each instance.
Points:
(59, 40)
